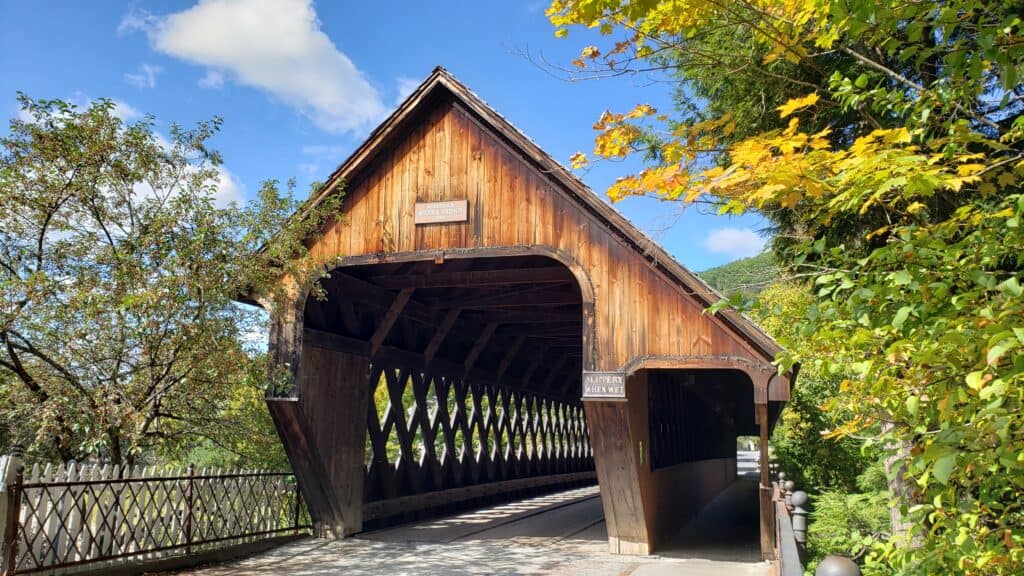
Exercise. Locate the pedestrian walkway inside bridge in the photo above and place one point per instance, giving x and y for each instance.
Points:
(560, 533)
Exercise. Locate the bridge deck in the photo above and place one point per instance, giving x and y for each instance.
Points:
(562, 533)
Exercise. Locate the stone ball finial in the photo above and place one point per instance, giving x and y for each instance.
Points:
(799, 498)
(789, 485)
(782, 476)
(837, 566)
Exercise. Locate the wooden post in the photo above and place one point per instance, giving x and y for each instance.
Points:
(765, 491)
(11, 522)
(189, 497)
(298, 503)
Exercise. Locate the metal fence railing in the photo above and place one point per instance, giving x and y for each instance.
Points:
(790, 527)
(59, 518)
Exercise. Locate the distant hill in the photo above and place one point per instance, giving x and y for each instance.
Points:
(747, 275)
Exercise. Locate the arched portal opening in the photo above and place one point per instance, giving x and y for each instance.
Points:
(460, 378)
(701, 506)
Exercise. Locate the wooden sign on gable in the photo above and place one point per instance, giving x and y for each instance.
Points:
(440, 212)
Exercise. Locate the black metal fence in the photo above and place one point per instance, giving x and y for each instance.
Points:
(90, 517)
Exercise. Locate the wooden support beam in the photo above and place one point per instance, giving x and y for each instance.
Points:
(534, 364)
(574, 376)
(353, 289)
(531, 317)
(348, 316)
(558, 331)
(765, 490)
(358, 290)
(510, 355)
(337, 342)
(389, 320)
(513, 298)
(555, 370)
(548, 275)
(416, 361)
(442, 332)
(481, 343)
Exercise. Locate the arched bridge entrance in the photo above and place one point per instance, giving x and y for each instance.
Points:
(470, 370)
(493, 330)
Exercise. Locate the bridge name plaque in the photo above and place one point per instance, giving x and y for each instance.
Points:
(440, 212)
(604, 385)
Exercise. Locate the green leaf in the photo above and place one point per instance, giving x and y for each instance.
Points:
(912, 404)
(901, 278)
(995, 353)
(944, 467)
(1011, 286)
(974, 380)
(996, 388)
(901, 317)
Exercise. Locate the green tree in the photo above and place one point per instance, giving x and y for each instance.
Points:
(748, 276)
(119, 333)
(893, 178)
(809, 456)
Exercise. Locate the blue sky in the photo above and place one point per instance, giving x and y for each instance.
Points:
(300, 84)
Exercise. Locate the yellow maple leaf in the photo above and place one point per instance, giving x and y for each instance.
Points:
(795, 104)
(641, 110)
(790, 199)
(968, 169)
(578, 160)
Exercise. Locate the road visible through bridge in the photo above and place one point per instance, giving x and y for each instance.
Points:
(562, 533)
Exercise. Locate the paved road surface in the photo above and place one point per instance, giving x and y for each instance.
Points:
(562, 533)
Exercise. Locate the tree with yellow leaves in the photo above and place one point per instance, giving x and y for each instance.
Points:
(885, 143)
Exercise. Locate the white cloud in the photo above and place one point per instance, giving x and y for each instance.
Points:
(405, 86)
(136, 21)
(126, 112)
(229, 189)
(213, 79)
(322, 159)
(735, 242)
(25, 116)
(273, 45)
(145, 77)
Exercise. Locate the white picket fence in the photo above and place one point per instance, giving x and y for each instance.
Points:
(79, 515)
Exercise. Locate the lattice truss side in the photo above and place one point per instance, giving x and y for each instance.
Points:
(430, 432)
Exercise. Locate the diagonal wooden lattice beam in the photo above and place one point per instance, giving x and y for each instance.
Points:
(441, 334)
(510, 356)
(481, 342)
(389, 320)
(556, 371)
(534, 364)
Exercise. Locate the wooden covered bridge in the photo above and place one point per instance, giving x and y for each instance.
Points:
(494, 329)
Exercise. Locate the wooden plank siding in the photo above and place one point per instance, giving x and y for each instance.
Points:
(640, 311)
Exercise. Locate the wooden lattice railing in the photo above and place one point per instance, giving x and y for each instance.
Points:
(65, 517)
(428, 432)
